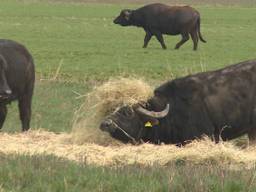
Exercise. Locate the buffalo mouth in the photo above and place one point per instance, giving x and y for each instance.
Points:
(118, 22)
(115, 21)
(111, 127)
(5, 97)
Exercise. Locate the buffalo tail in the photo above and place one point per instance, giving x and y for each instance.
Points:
(198, 30)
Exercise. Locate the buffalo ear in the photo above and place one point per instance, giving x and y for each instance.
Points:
(150, 122)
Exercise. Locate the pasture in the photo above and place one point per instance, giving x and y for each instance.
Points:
(76, 47)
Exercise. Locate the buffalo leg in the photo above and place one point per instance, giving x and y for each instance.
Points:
(217, 135)
(252, 136)
(3, 112)
(160, 38)
(147, 39)
(195, 39)
(25, 111)
(185, 37)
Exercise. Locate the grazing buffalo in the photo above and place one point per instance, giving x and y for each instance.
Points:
(219, 104)
(158, 19)
(17, 77)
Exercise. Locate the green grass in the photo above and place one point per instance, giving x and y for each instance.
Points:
(82, 40)
(47, 173)
(91, 46)
(54, 104)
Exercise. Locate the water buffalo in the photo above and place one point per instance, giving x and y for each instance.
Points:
(17, 77)
(157, 19)
(219, 104)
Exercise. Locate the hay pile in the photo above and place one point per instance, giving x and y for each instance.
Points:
(102, 101)
(61, 145)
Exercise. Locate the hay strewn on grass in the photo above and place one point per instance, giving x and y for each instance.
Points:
(102, 101)
(203, 152)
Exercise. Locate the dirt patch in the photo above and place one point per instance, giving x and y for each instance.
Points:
(61, 145)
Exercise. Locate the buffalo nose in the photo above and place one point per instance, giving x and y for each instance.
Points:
(106, 125)
(8, 92)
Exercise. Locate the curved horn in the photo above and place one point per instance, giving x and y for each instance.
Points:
(127, 14)
(154, 114)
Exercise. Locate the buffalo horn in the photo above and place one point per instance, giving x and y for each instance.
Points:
(127, 14)
(154, 114)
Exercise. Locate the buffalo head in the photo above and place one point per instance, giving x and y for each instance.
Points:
(5, 90)
(124, 18)
(136, 123)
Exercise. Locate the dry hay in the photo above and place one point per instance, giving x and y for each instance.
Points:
(102, 101)
(61, 145)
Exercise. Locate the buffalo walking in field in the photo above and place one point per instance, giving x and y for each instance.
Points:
(158, 19)
(17, 77)
(219, 103)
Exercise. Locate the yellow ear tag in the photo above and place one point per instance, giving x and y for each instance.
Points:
(148, 124)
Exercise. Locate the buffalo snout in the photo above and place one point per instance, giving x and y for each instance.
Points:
(115, 21)
(122, 20)
(107, 126)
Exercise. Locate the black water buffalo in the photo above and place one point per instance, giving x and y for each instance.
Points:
(157, 19)
(17, 77)
(219, 103)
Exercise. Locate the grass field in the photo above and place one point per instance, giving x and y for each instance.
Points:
(76, 46)
(82, 42)
(47, 173)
